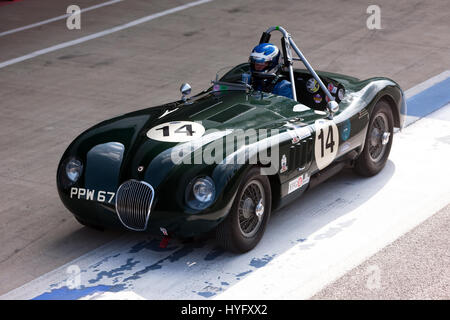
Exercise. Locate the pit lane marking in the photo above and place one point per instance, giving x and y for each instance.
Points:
(40, 23)
(102, 33)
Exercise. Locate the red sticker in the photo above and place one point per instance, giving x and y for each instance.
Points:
(164, 242)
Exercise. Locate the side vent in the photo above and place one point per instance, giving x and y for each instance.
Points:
(301, 154)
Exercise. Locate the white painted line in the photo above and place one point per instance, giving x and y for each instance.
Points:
(426, 84)
(40, 23)
(123, 295)
(102, 33)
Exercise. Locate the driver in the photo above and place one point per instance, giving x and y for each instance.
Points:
(264, 65)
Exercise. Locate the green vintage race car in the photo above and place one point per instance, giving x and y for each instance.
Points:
(224, 159)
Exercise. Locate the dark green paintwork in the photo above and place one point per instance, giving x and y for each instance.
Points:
(112, 151)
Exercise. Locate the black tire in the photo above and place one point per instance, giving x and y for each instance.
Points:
(372, 159)
(89, 225)
(230, 234)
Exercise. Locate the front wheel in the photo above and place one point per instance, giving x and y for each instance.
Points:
(378, 141)
(245, 224)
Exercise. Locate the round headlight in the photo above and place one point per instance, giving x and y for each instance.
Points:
(203, 189)
(200, 193)
(74, 169)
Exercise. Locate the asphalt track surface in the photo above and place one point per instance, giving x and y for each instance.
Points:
(49, 98)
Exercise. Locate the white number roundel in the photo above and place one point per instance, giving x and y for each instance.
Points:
(176, 131)
(327, 142)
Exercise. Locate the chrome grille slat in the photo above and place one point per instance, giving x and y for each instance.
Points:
(139, 204)
(133, 204)
(143, 196)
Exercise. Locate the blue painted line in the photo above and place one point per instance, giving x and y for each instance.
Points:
(65, 293)
(206, 294)
(238, 276)
(116, 271)
(259, 263)
(429, 100)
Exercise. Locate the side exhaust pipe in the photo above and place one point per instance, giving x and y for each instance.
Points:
(325, 174)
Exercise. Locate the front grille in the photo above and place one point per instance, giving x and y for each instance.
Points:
(133, 203)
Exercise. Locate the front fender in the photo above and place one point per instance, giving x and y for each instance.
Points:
(374, 89)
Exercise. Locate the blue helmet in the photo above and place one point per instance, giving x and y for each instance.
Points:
(264, 58)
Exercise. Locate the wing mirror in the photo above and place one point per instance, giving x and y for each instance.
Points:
(185, 90)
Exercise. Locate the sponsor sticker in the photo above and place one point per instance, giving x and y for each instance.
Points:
(317, 98)
(283, 164)
(363, 114)
(346, 129)
(297, 183)
(312, 85)
(341, 94)
(332, 88)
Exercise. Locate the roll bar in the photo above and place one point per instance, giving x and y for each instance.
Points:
(287, 43)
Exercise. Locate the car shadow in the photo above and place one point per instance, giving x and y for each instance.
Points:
(327, 202)
(199, 268)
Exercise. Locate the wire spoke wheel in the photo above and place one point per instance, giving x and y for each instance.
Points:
(251, 208)
(247, 219)
(377, 146)
(378, 141)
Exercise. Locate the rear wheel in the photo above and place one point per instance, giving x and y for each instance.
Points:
(245, 224)
(378, 141)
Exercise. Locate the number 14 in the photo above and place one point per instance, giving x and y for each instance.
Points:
(329, 143)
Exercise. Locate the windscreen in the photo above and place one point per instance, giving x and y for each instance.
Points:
(232, 78)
